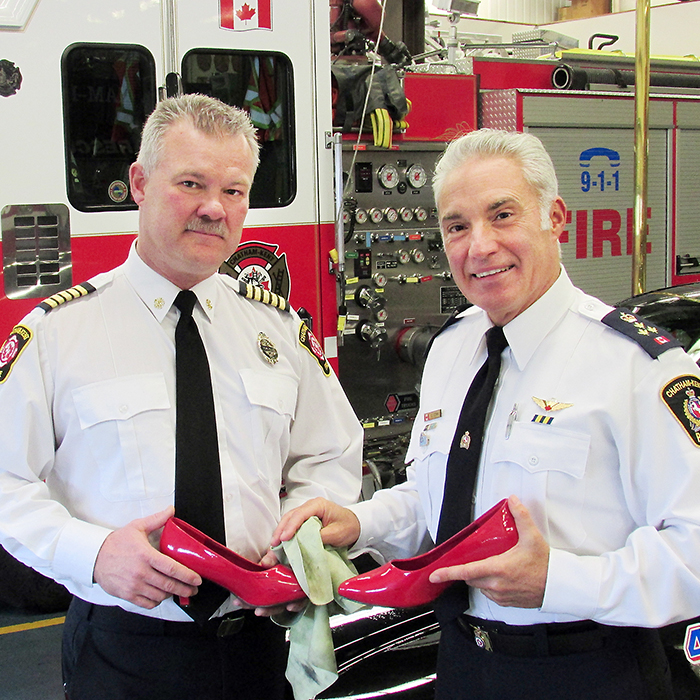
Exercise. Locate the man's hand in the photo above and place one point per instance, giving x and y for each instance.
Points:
(516, 578)
(129, 567)
(340, 526)
(296, 606)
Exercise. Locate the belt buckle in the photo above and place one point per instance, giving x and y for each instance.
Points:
(230, 626)
(481, 638)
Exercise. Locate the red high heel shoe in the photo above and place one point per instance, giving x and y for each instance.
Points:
(403, 583)
(252, 583)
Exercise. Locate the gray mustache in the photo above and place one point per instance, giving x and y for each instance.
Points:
(215, 227)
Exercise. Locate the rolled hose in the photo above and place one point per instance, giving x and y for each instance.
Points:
(566, 77)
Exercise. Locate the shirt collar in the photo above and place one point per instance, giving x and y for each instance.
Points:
(481, 324)
(158, 293)
(527, 330)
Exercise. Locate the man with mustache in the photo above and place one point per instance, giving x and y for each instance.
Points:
(592, 433)
(88, 401)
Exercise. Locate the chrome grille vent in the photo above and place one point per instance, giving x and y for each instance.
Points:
(36, 250)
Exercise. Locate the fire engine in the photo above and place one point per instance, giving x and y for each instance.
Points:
(342, 219)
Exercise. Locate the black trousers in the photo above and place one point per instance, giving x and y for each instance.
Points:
(110, 654)
(629, 665)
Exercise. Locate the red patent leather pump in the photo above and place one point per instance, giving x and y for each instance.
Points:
(403, 583)
(252, 583)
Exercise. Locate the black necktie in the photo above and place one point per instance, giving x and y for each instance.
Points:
(198, 493)
(465, 451)
(463, 464)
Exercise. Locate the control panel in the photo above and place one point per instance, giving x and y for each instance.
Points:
(397, 287)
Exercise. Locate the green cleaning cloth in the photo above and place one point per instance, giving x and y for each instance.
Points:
(320, 569)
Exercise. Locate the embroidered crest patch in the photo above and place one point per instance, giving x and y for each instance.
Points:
(12, 348)
(682, 396)
(308, 340)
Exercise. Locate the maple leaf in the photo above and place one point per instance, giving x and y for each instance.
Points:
(245, 13)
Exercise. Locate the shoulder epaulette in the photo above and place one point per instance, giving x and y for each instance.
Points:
(452, 319)
(80, 290)
(252, 291)
(654, 339)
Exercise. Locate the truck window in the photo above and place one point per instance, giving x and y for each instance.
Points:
(108, 92)
(260, 83)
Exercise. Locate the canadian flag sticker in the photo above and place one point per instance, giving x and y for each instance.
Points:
(241, 15)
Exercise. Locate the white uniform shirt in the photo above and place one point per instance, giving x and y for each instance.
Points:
(612, 480)
(87, 423)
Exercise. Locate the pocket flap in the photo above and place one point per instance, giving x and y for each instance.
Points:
(120, 399)
(276, 392)
(429, 442)
(538, 448)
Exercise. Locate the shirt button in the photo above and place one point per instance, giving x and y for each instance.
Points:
(533, 459)
(123, 409)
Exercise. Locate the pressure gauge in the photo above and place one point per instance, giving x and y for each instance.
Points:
(406, 214)
(391, 215)
(376, 215)
(421, 213)
(381, 315)
(361, 216)
(416, 176)
(388, 176)
(417, 255)
(346, 217)
(380, 279)
(403, 256)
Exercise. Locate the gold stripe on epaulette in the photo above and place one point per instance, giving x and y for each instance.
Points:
(80, 290)
(252, 291)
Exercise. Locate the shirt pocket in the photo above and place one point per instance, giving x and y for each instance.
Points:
(429, 456)
(273, 402)
(553, 463)
(130, 429)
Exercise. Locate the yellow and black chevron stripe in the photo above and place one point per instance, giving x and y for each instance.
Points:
(252, 291)
(80, 290)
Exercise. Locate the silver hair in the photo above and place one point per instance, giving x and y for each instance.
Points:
(206, 114)
(526, 149)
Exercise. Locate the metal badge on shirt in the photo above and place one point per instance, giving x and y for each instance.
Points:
(548, 405)
(267, 348)
(429, 418)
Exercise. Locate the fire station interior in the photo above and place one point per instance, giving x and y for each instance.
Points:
(563, 69)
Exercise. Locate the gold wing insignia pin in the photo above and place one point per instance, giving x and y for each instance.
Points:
(551, 404)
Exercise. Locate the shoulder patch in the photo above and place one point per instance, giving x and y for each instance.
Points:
(681, 397)
(308, 340)
(80, 290)
(252, 291)
(653, 339)
(12, 348)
